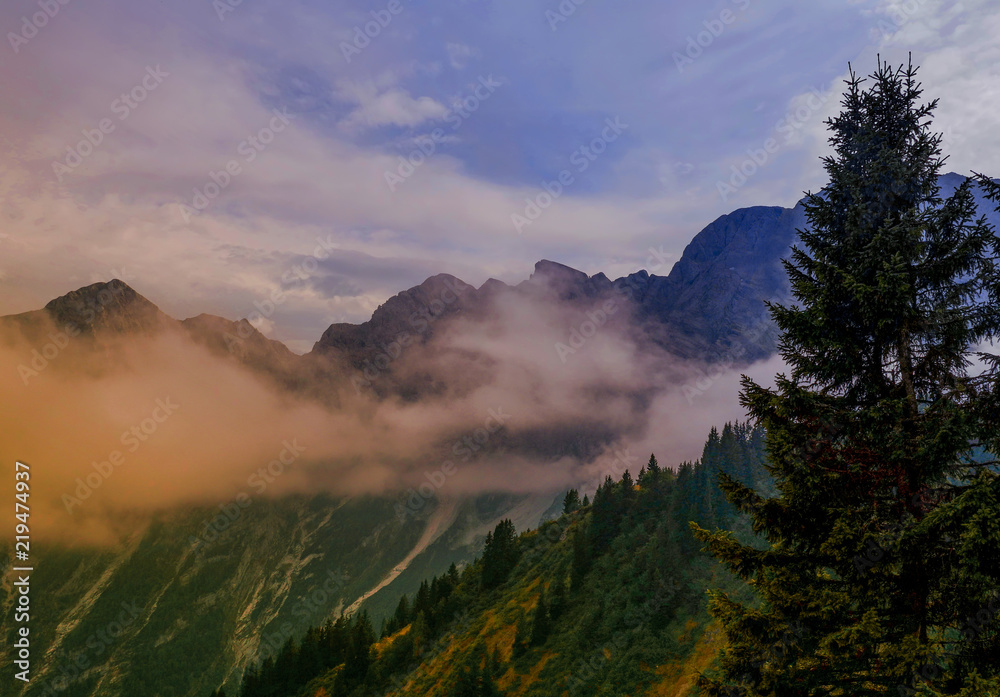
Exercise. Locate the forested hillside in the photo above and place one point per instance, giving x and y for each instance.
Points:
(607, 599)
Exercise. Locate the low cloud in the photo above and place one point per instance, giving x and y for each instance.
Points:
(141, 423)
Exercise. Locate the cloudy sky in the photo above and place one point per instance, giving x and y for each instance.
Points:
(213, 153)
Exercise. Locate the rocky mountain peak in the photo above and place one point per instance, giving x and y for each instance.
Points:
(112, 306)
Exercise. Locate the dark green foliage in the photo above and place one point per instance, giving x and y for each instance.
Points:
(540, 624)
(878, 546)
(348, 643)
(477, 678)
(606, 515)
(653, 469)
(619, 610)
(581, 557)
(400, 618)
(499, 554)
(521, 638)
(571, 502)
(560, 600)
(321, 649)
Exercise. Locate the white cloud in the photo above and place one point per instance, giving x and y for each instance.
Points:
(392, 107)
(955, 47)
(458, 54)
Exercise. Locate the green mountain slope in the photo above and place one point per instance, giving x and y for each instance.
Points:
(175, 610)
(607, 599)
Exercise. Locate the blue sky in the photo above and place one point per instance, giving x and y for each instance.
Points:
(695, 89)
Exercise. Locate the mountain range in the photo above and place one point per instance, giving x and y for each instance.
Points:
(188, 610)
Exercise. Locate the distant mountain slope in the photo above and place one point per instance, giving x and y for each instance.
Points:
(609, 598)
(192, 597)
(710, 306)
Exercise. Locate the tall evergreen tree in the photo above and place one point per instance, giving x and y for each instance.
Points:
(571, 502)
(541, 623)
(582, 557)
(500, 554)
(521, 637)
(652, 468)
(560, 601)
(878, 542)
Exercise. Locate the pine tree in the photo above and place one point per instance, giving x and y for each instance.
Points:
(652, 468)
(401, 617)
(628, 486)
(520, 638)
(604, 516)
(499, 554)
(560, 600)
(422, 601)
(571, 502)
(540, 626)
(496, 664)
(420, 632)
(581, 558)
(466, 683)
(359, 656)
(878, 541)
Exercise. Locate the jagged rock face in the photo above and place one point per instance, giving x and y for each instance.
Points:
(241, 342)
(414, 311)
(710, 306)
(106, 307)
(564, 283)
(103, 317)
(715, 294)
(96, 312)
